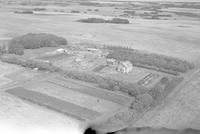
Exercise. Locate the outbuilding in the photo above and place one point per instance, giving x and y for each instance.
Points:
(125, 67)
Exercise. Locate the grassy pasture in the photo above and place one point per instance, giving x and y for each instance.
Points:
(164, 36)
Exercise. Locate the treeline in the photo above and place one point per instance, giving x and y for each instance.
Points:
(156, 94)
(100, 20)
(90, 4)
(75, 11)
(148, 100)
(132, 89)
(163, 88)
(19, 60)
(24, 12)
(3, 48)
(33, 41)
(151, 61)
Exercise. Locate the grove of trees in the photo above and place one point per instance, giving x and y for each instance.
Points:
(149, 60)
(33, 41)
(100, 20)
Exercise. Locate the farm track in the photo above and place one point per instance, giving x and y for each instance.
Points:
(180, 86)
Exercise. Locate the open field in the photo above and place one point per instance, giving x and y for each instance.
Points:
(67, 88)
(7, 69)
(69, 97)
(86, 96)
(10, 74)
(89, 89)
(17, 115)
(168, 37)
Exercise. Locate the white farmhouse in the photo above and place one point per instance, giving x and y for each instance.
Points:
(125, 67)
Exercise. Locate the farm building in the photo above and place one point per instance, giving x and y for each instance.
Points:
(60, 50)
(95, 51)
(110, 61)
(125, 67)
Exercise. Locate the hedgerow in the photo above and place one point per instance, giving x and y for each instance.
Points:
(100, 20)
(149, 60)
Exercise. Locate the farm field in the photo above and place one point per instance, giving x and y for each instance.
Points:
(11, 74)
(7, 69)
(141, 72)
(168, 37)
(53, 103)
(86, 96)
(73, 100)
(13, 110)
(15, 115)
